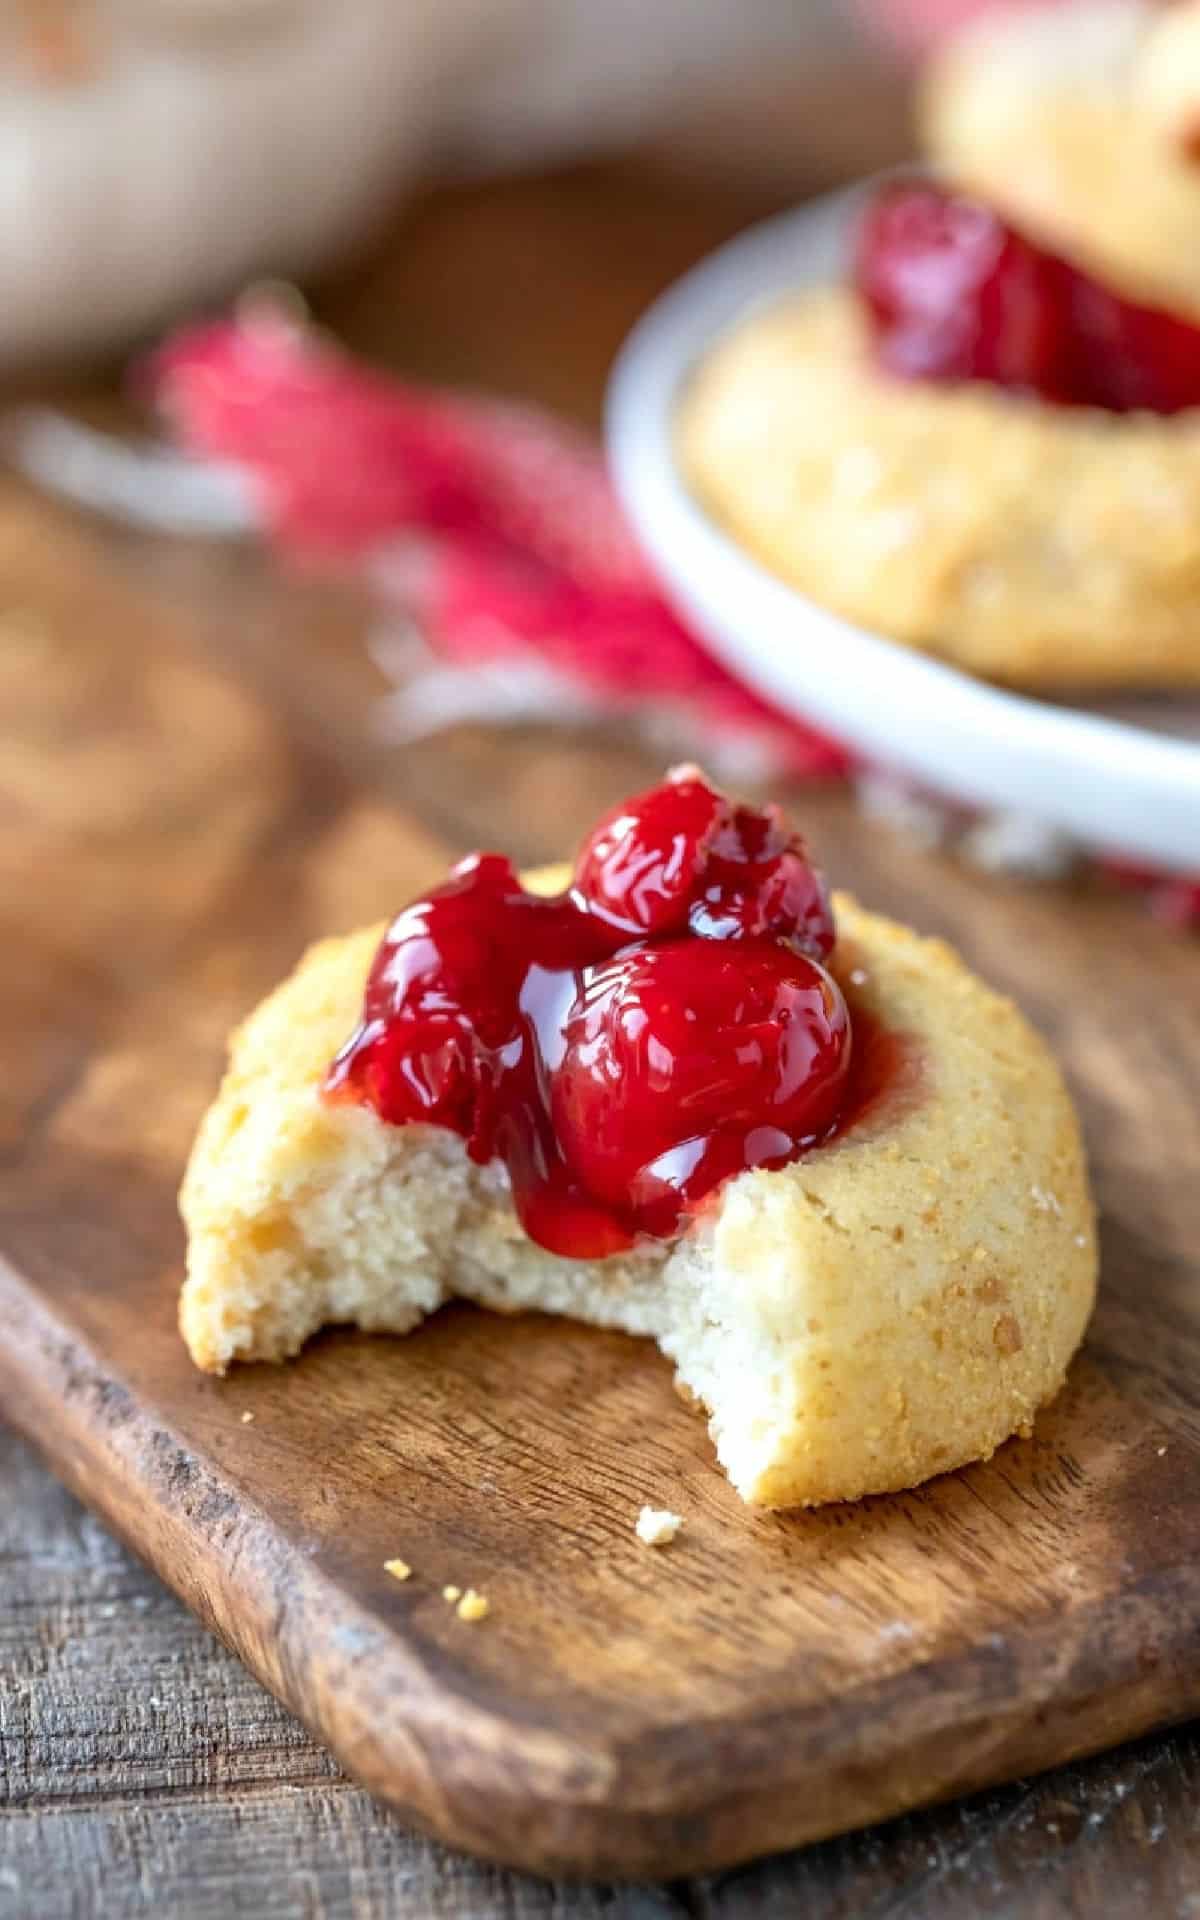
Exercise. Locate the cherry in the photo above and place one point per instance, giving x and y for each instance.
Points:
(638, 868)
(687, 1062)
(758, 880)
(954, 292)
(1129, 357)
(442, 993)
(412, 1055)
(628, 1045)
(681, 854)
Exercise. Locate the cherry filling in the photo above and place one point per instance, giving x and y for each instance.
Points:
(624, 1047)
(955, 293)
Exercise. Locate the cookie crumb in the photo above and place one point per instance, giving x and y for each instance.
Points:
(247, 1417)
(656, 1527)
(1160, 1451)
(399, 1569)
(451, 1594)
(1044, 1201)
(473, 1606)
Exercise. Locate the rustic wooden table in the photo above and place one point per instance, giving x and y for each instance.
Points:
(143, 1770)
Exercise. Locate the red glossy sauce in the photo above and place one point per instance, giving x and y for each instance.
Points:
(885, 1072)
(954, 292)
(627, 1046)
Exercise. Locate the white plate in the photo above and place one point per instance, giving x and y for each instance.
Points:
(1127, 785)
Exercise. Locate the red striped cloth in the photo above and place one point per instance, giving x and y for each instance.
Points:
(494, 525)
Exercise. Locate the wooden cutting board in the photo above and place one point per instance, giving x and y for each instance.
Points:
(171, 834)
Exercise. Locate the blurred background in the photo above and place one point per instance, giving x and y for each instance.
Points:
(477, 197)
(155, 154)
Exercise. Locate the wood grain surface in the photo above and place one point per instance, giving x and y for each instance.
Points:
(145, 1773)
(188, 794)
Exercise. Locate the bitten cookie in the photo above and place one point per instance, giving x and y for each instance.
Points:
(896, 1302)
